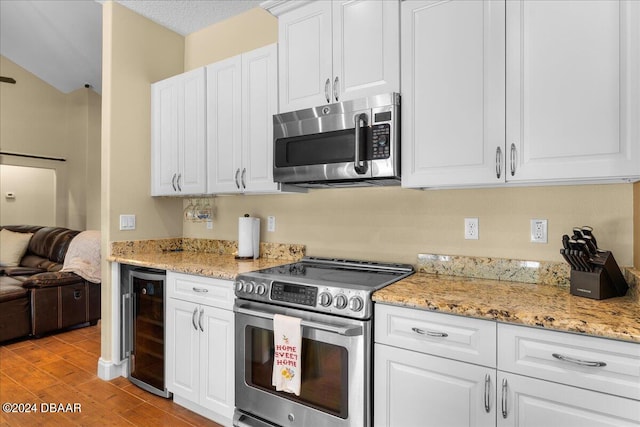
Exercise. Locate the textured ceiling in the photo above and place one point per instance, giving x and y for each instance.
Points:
(60, 41)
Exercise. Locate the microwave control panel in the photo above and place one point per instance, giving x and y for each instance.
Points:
(380, 141)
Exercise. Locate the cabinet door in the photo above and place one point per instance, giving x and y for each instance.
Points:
(305, 70)
(528, 402)
(182, 341)
(164, 136)
(366, 48)
(224, 126)
(259, 104)
(192, 177)
(453, 93)
(217, 360)
(417, 390)
(573, 84)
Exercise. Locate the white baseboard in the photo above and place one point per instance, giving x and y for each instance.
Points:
(108, 370)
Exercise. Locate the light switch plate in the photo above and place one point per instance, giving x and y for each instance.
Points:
(127, 222)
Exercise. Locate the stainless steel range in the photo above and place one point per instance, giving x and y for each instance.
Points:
(332, 298)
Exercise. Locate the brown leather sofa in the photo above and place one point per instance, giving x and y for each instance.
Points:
(35, 297)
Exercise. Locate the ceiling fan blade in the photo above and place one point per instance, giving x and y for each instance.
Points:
(7, 80)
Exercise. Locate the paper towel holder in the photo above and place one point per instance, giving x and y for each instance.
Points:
(254, 246)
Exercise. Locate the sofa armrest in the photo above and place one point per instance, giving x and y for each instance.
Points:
(45, 280)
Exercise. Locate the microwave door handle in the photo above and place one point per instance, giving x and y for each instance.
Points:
(348, 331)
(359, 165)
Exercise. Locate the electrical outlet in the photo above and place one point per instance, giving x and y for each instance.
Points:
(209, 225)
(271, 223)
(539, 231)
(471, 229)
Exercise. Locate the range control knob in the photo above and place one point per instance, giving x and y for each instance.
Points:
(325, 299)
(260, 289)
(248, 287)
(239, 286)
(356, 304)
(340, 301)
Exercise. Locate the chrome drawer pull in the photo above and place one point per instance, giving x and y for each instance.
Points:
(578, 361)
(430, 333)
(200, 290)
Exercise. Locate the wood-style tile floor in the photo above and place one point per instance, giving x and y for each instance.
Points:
(61, 369)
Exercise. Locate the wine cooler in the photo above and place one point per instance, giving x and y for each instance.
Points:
(143, 312)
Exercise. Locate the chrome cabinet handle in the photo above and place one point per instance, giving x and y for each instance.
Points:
(326, 90)
(336, 86)
(498, 162)
(236, 178)
(200, 320)
(504, 398)
(193, 318)
(487, 391)
(578, 361)
(513, 159)
(430, 333)
(178, 182)
(244, 173)
(359, 165)
(200, 290)
(173, 182)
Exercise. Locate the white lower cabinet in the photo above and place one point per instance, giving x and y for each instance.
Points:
(420, 384)
(530, 402)
(435, 369)
(200, 345)
(419, 390)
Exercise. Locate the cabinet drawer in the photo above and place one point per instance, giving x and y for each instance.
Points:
(455, 337)
(201, 290)
(593, 363)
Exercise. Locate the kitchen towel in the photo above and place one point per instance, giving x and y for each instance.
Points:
(248, 237)
(287, 340)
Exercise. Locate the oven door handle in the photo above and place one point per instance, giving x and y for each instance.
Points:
(348, 331)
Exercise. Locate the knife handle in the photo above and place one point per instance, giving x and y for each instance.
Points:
(567, 259)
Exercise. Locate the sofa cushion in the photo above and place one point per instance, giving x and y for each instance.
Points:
(11, 289)
(13, 247)
(51, 243)
(21, 271)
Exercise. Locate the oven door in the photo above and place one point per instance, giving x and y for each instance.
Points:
(335, 369)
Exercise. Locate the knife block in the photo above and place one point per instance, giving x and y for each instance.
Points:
(605, 281)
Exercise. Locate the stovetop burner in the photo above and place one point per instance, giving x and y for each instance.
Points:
(335, 286)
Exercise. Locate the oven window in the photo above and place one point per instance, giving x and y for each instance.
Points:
(317, 149)
(324, 382)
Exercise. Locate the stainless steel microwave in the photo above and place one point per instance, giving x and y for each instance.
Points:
(346, 144)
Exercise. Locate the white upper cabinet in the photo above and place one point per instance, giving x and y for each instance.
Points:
(332, 51)
(522, 92)
(241, 102)
(573, 95)
(453, 113)
(178, 140)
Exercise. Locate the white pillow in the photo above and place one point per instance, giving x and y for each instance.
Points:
(12, 247)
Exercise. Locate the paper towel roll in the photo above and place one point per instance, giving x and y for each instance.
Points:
(248, 237)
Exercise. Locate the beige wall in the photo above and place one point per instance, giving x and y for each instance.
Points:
(38, 119)
(35, 195)
(136, 53)
(395, 224)
(242, 33)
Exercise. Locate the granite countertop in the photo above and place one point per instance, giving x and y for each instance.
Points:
(220, 266)
(202, 257)
(529, 304)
